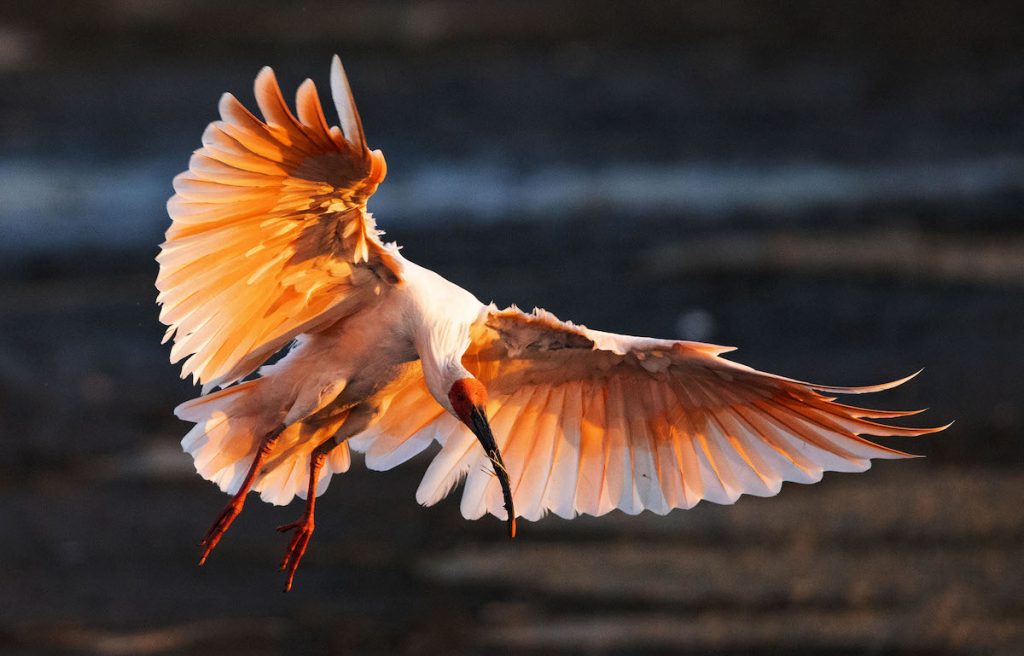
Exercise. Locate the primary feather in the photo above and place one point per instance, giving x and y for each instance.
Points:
(270, 235)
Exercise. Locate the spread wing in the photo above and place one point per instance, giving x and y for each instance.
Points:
(590, 421)
(270, 235)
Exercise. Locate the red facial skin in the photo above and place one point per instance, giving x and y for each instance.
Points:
(466, 394)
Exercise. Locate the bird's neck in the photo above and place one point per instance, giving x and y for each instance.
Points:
(442, 315)
(440, 349)
(440, 376)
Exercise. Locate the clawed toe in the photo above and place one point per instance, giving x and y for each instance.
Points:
(296, 549)
(218, 529)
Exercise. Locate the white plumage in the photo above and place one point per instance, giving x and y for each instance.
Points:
(271, 243)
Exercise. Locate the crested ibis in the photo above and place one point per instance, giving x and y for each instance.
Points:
(271, 244)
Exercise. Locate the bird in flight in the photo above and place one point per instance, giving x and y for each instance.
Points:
(271, 244)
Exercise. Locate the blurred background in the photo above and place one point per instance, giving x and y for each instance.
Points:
(834, 187)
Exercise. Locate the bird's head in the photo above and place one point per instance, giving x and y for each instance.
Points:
(468, 398)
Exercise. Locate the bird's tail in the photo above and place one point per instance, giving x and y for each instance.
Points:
(229, 426)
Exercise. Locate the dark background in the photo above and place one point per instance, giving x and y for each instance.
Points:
(835, 187)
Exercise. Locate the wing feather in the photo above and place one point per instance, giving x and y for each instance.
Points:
(765, 479)
(647, 469)
(536, 476)
(560, 489)
(591, 422)
(525, 438)
(443, 474)
(408, 422)
(732, 470)
(346, 104)
(668, 473)
(270, 236)
(592, 455)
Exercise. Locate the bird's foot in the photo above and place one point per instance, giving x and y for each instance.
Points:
(220, 527)
(303, 532)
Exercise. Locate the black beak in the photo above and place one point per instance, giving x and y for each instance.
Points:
(482, 430)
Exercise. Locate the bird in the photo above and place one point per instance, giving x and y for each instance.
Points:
(271, 251)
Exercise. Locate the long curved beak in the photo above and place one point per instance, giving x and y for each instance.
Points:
(482, 429)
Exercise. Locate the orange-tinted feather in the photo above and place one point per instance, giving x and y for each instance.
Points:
(270, 236)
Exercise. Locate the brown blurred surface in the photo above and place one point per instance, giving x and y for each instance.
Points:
(835, 188)
(910, 558)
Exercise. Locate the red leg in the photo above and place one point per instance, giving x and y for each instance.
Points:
(234, 507)
(303, 527)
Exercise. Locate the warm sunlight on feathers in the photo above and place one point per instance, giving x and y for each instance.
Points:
(589, 422)
(271, 244)
(268, 222)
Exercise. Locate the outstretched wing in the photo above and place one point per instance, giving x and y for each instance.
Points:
(270, 235)
(590, 421)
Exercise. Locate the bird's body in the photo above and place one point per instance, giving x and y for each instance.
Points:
(271, 244)
(352, 363)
